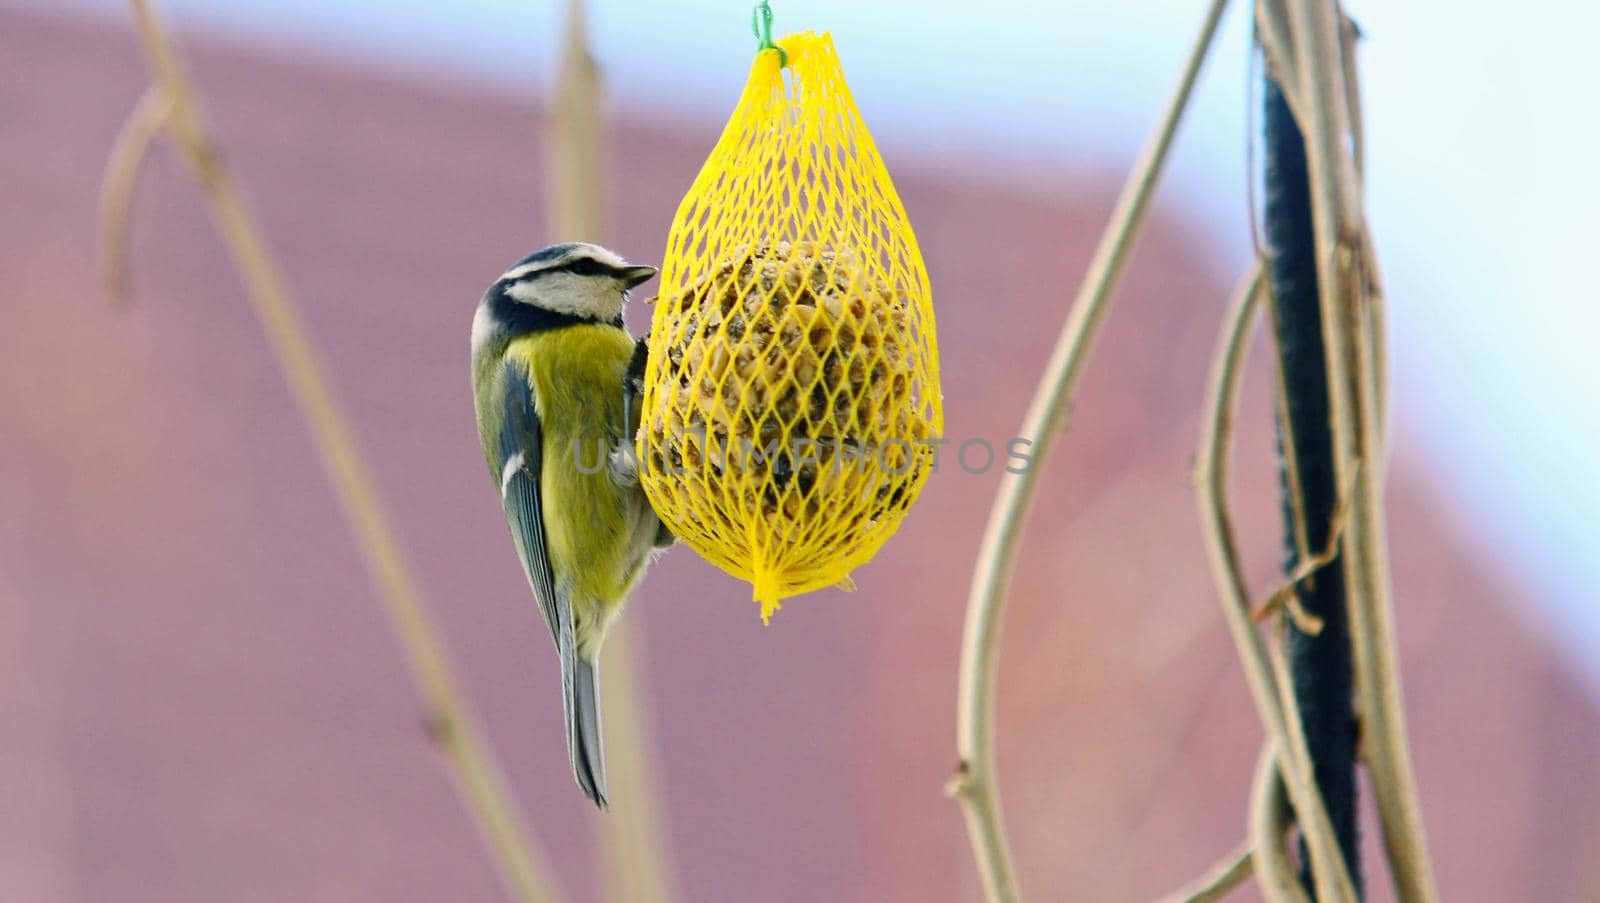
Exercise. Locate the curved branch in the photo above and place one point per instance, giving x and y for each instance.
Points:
(974, 784)
(1269, 829)
(447, 716)
(1218, 881)
(128, 153)
(1353, 378)
(1332, 879)
(1272, 33)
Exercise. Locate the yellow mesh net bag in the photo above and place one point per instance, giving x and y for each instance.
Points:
(793, 377)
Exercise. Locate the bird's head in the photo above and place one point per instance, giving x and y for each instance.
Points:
(560, 283)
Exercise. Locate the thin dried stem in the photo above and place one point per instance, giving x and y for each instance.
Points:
(576, 150)
(1384, 748)
(1269, 831)
(1299, 751)
(1286, 601)
(1272, 15)
(1219, 880)
(1285, 596)
(449, 720)
(634, 862)
(1357, 434)
(1376, 333)
(1371, 274)
(1349, 40)
(1328, 867)
(974, 786)
(117, 186)
(1273, 34)
(1369, 270)
(1324, 118)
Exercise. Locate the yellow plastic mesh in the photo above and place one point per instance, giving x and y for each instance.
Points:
(793, 377)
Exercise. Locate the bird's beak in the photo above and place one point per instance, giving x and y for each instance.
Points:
(632, 276)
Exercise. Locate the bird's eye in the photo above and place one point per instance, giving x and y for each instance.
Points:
(587, 266)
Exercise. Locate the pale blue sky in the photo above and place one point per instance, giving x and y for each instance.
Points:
(1482, 183)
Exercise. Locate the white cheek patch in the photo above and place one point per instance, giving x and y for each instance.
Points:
(596, 297)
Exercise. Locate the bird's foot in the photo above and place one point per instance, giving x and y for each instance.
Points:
(624, 465)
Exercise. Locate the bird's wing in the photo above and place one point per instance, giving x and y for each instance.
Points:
(521, 463)
(521, 467)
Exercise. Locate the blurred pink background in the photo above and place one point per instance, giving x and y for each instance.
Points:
(204, 702)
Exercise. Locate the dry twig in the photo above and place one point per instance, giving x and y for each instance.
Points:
(1218, 881)
(1285, 597)
(1269, 831)
(1272, 33)
(1332, 879)
(635, 865)
(974, 784)
(450, 723)
(1356, 414)
(128, 153)
(1349, 38)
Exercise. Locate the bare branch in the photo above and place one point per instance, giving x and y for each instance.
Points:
(1349, 43)
(974, 785)
(634, 863)
(1269, 831)
(634, 859)
(1358, 439)
(1273, 34)
(450, 722)
(117, 186)
(576, 147)
(1219, 880)
(1328, 867)
(1285, 597)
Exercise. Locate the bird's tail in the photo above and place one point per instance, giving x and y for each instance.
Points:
(581, 686)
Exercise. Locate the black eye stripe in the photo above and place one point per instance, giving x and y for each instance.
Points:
(583, 266)
(588, 266)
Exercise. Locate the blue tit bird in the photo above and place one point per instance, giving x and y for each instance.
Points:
(556, 379)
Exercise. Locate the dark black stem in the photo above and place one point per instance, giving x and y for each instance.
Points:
(1319, 664)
